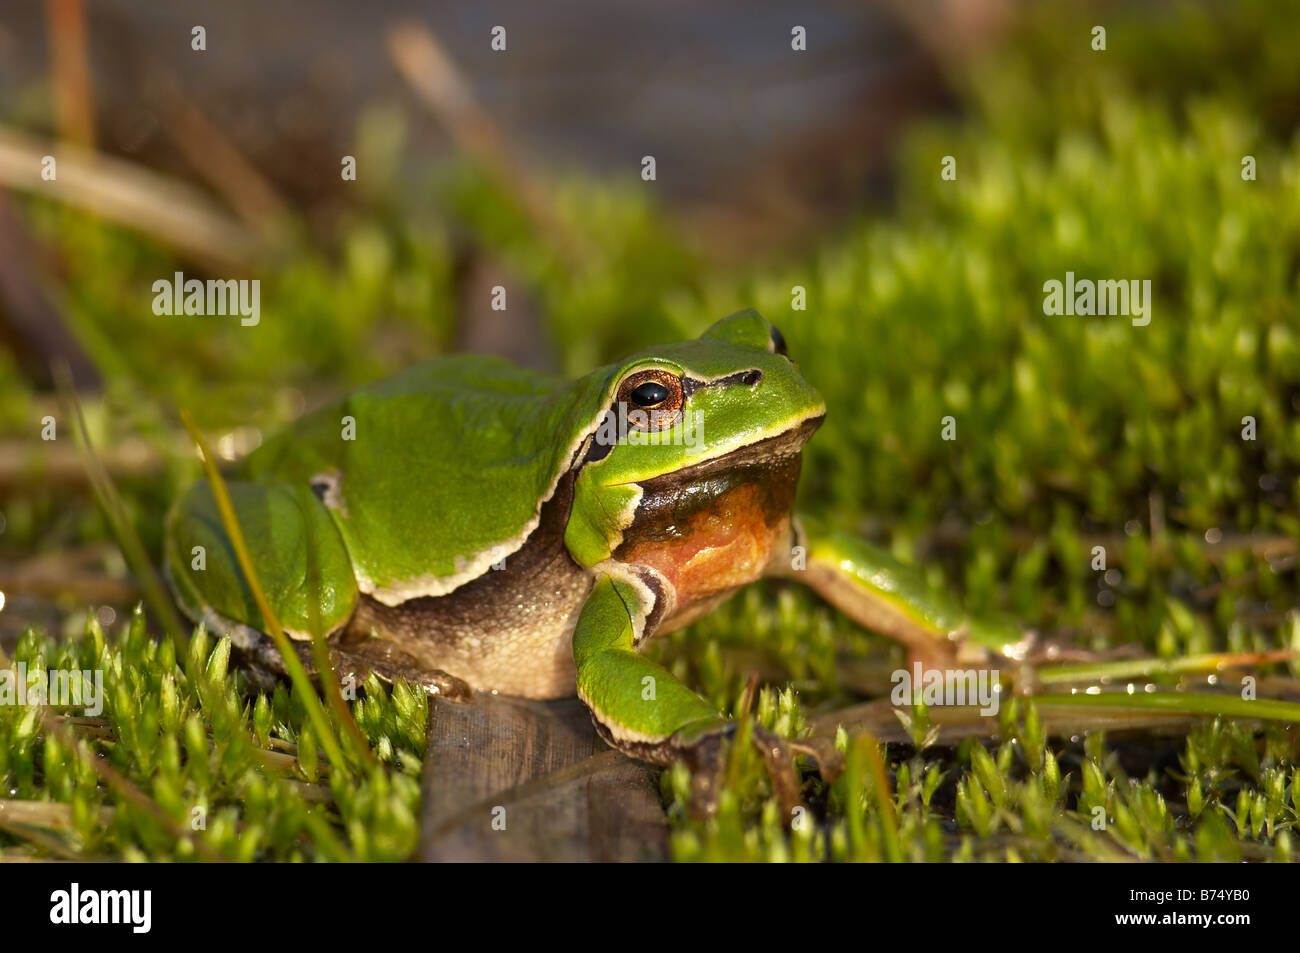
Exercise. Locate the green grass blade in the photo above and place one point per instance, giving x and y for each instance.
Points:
(119, 520)
(1183, 703)
(1147, 667)
(297, 673)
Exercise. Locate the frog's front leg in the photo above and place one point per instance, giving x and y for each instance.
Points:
(639, 707)
(880, 593)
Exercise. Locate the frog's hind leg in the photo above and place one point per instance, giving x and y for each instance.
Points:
(288, 533)
(881, 593)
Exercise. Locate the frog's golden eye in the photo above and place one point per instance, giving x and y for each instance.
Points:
(652, 398)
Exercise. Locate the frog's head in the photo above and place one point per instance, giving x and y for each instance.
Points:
(692, 432)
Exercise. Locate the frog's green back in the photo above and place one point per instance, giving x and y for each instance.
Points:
(441, 470)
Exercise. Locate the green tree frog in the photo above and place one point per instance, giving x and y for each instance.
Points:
(474, 526)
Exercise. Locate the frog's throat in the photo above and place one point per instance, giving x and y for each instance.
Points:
(719, 552)
(712, 528)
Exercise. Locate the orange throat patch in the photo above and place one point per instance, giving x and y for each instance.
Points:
(709, 541)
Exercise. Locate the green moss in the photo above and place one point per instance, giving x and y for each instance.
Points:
(243, 777)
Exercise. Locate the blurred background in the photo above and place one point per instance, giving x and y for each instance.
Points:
(775, 168)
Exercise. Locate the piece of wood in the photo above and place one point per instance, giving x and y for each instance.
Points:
(508, 779)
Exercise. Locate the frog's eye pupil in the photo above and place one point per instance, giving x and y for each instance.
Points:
(649, 394)
(778, 342)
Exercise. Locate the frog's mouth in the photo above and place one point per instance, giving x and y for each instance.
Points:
(787, 443)
(776, 449)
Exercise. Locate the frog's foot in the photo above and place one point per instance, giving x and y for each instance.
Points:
(780, 768)
(352, 668)
(390, 666)
(707, 759)
(1059, 651)
(938, 656)
(706, 755)
(641, 709)
(440, 683)
(822, 750)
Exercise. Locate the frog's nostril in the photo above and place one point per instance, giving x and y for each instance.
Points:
(751, 378)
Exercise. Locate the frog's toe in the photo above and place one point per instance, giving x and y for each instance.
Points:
(829, 759)
(359, 666)
(780, 768)
(443, 684)
(707, 759)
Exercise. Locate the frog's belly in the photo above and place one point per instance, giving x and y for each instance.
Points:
(509, 632)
